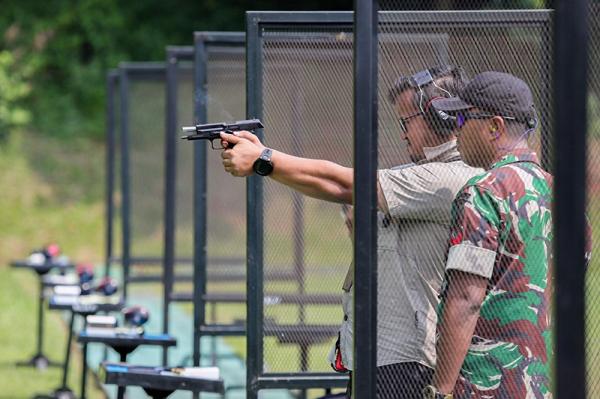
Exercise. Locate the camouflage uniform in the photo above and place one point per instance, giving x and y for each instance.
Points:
(502, 230)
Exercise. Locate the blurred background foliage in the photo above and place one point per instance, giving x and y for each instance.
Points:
(54, 56)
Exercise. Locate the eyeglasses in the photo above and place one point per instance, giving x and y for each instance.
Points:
(463, 117)
(404, 121)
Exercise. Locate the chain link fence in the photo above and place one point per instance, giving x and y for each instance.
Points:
(219, 297)
(593, 206)
(300, 69)
(142, 101)
(465, 233)
(515, 42)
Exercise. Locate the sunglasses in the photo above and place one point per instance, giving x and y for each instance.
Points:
(463, 117)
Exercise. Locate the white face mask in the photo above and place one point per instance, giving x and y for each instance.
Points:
(434, 152)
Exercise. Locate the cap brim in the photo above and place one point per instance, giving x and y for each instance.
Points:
(451, 104)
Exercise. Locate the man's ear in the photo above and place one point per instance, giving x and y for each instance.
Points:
(497, 127)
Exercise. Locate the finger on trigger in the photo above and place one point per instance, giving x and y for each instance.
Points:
(229, 138)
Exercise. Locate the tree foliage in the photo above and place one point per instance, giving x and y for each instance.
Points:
(57, 54)
(13, 90)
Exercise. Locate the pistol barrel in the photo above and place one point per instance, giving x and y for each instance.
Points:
(189, 129)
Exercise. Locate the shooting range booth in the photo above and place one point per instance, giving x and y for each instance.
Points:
(299, 83)
(178, 195)
(142, 122)
(513, 41)
(219, 208)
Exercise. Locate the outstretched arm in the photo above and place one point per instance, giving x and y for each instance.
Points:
(314, 177)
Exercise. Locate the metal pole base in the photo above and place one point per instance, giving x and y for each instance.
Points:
(60, 393)
(157, 393)
(39, 361)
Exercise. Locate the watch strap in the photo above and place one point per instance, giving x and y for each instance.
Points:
(266, 154)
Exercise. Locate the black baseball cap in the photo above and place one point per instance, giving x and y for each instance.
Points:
(498, 93)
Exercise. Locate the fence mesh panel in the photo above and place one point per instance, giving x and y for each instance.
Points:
(146, 165)
(184, 189)
(593, 205)
(307, 109)
(226, 210)
(115, 195)
(494, 248)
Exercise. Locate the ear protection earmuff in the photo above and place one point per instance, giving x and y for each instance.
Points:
(441, 122)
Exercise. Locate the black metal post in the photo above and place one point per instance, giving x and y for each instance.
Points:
(40, 326)
(365, 199)
(570, 101)
(254, 212)
(63, 384)
(200, 217)
(125, 186)
(84, 361)
(111, 82)
(121, 389)
(170, 203)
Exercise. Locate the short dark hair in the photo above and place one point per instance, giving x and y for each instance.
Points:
(447, 79)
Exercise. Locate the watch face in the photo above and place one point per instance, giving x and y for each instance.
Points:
(262, 167)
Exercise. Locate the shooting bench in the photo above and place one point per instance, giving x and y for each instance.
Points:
(39, 360)
(124, 344)
(157, 382)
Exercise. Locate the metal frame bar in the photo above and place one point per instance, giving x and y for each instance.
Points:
(570, 113)
(467, 16)
(254, 219)
(202, 40)
(112, 80)
(150, 70)
(174, 54)
(255, 378)
(366, 65)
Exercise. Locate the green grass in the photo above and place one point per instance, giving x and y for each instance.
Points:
(17, 340)
(47, 196)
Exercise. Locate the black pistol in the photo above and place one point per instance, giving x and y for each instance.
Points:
(210, 131)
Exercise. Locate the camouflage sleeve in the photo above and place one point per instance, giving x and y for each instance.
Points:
(474, 232)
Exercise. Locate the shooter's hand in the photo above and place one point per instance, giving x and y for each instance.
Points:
(239, 160)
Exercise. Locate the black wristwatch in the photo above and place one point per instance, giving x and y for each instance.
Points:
(431, 392)
(263, 165)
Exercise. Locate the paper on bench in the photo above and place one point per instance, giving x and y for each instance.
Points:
(101, 321)
(65, 299)
(100, 331)
(207, 373)
(57, 279)
(73, 290)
